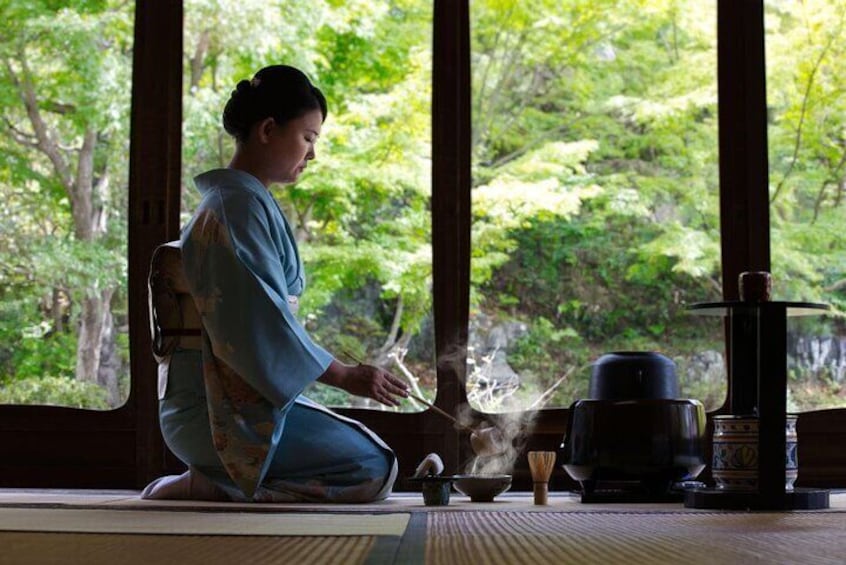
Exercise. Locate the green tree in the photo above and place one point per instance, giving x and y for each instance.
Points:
(807, 148)
(63, 86)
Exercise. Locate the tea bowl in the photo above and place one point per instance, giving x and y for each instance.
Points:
(482, 488)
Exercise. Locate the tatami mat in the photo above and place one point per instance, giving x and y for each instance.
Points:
(25, 548)
(200, 523)
(65, 497)
(460, 538)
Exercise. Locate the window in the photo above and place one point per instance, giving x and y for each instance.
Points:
(595, 196)
(807, 156)
(63, 178)
(361, 212)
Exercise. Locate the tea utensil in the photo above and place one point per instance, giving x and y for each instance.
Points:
(541, 464)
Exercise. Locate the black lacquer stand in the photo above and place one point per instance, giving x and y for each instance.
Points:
(758, 334)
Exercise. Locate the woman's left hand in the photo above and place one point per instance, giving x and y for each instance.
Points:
(366, 380)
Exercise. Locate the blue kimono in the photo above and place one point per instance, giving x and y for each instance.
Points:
(233, 409)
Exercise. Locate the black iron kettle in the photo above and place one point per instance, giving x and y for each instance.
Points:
(633, 428)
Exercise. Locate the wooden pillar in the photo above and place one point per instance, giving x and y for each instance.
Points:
(154, 199)
(744, 198)
(451, 181)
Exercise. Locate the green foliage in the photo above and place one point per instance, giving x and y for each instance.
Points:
(57, 391)
(807, 148)
(29, 348)
(65, 104)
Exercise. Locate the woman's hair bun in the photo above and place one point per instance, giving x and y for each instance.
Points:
(243, 87)
(279, 92)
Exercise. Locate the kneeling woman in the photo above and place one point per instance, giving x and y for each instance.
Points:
(232, 409)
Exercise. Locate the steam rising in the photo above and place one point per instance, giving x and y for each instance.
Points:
(514, 419)
(515, 428)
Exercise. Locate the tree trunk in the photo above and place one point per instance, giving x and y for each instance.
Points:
(96, 327)
(56, 311)
(110, 362)
(94, 319)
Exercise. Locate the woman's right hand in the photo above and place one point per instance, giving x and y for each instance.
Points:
(367, 381)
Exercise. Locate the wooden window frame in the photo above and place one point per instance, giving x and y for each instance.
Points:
(43, 446)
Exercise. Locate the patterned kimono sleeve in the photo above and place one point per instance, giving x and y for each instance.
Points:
(237, 279)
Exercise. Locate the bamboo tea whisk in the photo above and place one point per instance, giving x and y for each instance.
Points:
(541, 464)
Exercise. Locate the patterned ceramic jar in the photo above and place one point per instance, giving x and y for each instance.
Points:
(734, 464)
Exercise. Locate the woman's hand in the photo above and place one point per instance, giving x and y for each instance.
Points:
(366, 380)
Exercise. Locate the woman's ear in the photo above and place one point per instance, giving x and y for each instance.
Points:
(264, 128)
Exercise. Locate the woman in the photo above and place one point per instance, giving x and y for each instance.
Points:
(232, 410)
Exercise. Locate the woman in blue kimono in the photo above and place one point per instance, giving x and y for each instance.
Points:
(231, 407)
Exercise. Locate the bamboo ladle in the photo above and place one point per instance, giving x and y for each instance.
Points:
(486, 442)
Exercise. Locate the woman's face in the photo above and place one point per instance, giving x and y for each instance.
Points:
(291, 145)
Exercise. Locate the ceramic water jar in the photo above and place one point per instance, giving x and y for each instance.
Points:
(734, 464)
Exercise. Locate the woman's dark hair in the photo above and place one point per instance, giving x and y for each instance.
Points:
(279, 92)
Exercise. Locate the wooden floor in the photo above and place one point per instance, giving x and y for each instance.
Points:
(116, 527)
